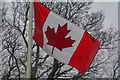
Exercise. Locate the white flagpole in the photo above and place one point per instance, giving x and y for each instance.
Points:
(28, 71)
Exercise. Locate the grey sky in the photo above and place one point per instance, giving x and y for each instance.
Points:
(110, 9)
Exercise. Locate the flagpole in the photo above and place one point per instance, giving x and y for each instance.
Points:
(28, 71)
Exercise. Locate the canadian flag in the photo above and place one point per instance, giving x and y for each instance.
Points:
(63, 40)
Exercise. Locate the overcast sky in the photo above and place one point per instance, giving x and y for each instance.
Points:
(110, 9)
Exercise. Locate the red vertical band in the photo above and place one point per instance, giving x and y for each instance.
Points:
(41, 13)
(85, 53)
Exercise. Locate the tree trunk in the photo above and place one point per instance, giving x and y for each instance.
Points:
(33, 75)
(54, 69)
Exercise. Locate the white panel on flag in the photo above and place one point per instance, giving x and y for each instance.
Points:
(76, 34)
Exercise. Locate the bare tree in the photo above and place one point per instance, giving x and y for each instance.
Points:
(14, 41)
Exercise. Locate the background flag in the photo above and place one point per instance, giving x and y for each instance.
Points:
(63, 40)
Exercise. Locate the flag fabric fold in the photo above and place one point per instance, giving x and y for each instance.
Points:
(63, 40)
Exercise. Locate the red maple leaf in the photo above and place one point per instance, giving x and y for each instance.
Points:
(58, 39)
